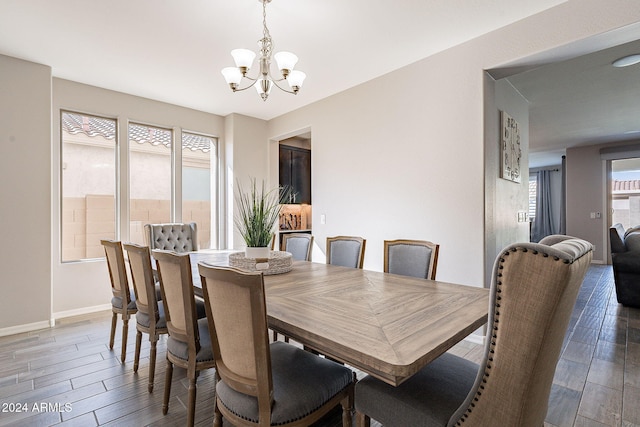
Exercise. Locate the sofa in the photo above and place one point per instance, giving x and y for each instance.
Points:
(625, 255)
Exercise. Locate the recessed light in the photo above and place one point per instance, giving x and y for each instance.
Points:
(626, 61)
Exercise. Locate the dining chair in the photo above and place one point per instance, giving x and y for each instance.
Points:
(150, 318)
(189, 342)
(264, 384)
(533, 291)
(299, 245)
(347, 251)
(415, 258)
(177, 237)
(122, 302)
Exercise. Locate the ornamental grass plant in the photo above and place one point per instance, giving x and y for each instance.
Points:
(258, 211)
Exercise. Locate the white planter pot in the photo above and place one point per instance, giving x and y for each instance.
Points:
(261, 252)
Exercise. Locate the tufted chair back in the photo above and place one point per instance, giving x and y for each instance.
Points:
(176, 237)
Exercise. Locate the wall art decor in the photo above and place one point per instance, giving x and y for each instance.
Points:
(510, 151)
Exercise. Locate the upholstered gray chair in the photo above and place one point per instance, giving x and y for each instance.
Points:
(189, 343)
(299, 245)
(122, 302)
(347, 251)
(625, 257)
(262, 384)
(176, 237)
(415, 258)
(150, 318)
(533, 291)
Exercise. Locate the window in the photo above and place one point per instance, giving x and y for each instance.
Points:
(149, 178)
(90, 197)
(199, 165)
(533, 188)
(88, 185)
(625, 192)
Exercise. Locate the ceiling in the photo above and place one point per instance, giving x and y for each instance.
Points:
(172, 51)
(581, 101)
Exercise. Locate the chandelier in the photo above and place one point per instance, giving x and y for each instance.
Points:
(264, 82)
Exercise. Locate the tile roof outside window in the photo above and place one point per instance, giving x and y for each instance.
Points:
(94, 126)
(90, 126)
(622, 186)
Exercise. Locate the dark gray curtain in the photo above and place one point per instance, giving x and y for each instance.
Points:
(543, 223)
(563, 198)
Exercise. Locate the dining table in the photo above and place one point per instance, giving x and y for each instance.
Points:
(387, 325)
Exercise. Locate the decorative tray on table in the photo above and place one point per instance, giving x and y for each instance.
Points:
(278, 262)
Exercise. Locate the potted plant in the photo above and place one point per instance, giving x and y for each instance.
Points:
(258, 212)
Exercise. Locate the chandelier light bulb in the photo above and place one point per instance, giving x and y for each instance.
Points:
(232, 75)
(286, 61)
(243, 58)
(295, 79)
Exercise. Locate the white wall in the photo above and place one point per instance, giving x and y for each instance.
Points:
(585, 195)
(247, 158)
(504, 198)
(378, 169)
(25, 197)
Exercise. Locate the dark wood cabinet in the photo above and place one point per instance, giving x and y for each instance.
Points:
(295, 171)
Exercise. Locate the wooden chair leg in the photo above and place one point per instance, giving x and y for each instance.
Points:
(167, 387)
(136, 356)
(125, 333)
(347, 407)
(275, 337)
(191, 403)
(152, 363)
(114, 320)
(362, 420)
(217, 415)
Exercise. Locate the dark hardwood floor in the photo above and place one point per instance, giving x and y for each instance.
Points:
(67, 376)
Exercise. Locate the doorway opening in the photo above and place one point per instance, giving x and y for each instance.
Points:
(625, 192)
(295, 173)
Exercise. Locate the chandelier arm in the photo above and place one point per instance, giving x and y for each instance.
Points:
(280, 87)
(250, 86)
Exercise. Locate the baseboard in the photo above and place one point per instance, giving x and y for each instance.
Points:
(29, 327)
(81, 311)
(475, 339)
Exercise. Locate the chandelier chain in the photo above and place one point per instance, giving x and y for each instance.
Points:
(266, 45)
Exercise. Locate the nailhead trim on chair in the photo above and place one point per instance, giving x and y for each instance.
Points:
(494, 336)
